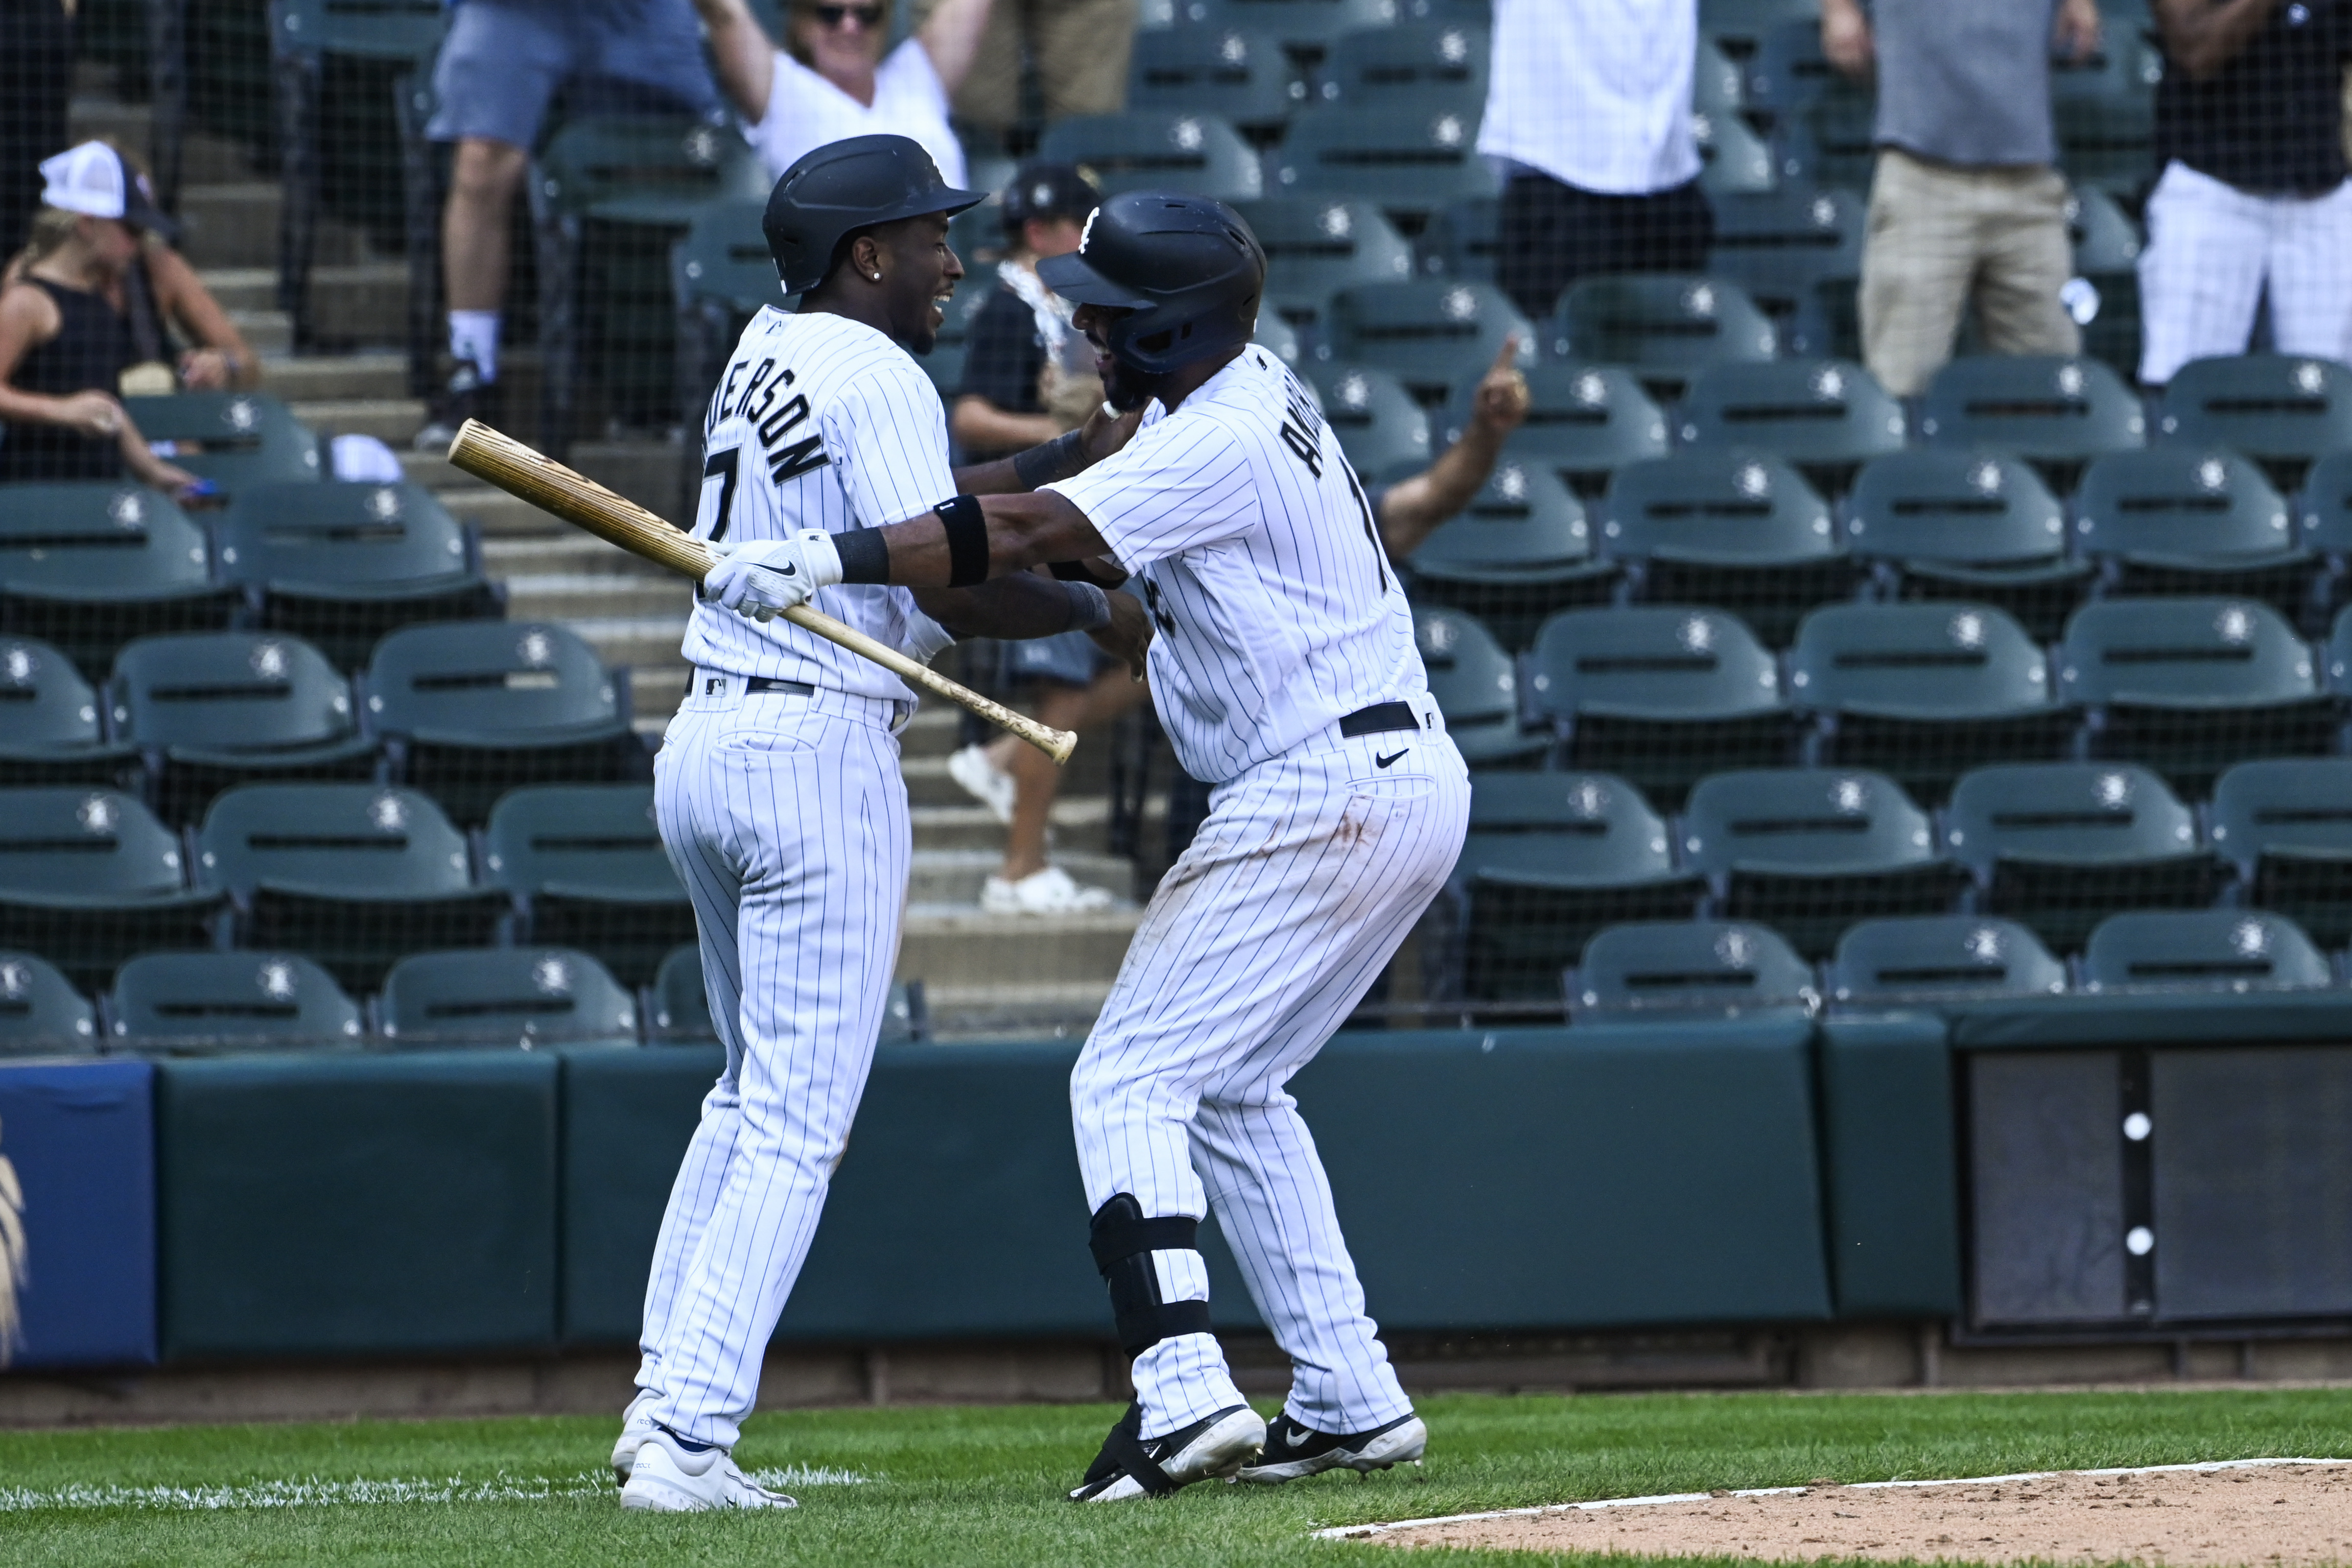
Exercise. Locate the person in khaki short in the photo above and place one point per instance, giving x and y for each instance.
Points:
(1967, 206)
(1080, 48)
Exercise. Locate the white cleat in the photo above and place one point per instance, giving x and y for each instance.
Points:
(636, 1425)
(1294, 1451)
(1216, 1446)
(1048, 891)
(983, 780)
(665, 1479)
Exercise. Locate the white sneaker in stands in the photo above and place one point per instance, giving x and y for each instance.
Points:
(983, 780)
(1048, 891)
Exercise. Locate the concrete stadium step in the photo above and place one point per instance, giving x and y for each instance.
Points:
(378, 375)
(504, 518)
(950, 945)
(393, 420)
(1079, 824)
(647, 472)
(598, 596)
(945, 877)
(933, 731)
(654, 692)
(266, 332)
(651, 642)
(94, 111)
(560, 550)
(1064, 1009)
(361, 302)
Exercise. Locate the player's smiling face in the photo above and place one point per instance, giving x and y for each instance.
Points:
(1124, 386)
(920, 273)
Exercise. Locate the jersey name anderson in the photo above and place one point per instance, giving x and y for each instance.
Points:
(818, 422)
(1277, 611)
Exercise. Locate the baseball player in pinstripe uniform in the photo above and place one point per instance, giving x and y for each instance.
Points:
(778, 789)
(1285, 671)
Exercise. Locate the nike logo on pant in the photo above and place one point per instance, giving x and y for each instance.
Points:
(1392, 757)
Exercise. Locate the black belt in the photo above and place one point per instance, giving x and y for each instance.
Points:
(1380, 718)
(757, 683)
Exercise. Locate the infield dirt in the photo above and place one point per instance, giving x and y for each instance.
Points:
(2283, 1516)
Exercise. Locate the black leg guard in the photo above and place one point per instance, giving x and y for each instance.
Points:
(1123, 1452)
(1123, 1241)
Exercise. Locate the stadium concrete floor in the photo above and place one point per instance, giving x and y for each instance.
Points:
(964, 1485)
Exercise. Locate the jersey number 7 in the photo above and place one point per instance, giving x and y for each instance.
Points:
(722, 466)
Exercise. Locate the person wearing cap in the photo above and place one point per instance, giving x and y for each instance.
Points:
(1028, 376)
(499, 70)
(835, 74)
(64, 346)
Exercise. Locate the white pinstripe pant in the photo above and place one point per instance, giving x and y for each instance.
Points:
(1304, 880)
(786, 818)
(2213, 251)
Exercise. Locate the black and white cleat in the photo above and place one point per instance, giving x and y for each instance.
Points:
(1294, 1452)
(1129, 1465)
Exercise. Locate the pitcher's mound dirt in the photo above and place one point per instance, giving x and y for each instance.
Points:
(2275, 1515)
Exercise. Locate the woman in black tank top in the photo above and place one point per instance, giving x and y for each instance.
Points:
(63, 348)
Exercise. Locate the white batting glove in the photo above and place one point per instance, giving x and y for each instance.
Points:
(762, 579)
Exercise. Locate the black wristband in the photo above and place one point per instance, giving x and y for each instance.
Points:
(967, 529)
(1051, 460)
(865, 557)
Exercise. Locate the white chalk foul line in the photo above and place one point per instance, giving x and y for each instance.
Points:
(316, 1492)
(1360, 1532)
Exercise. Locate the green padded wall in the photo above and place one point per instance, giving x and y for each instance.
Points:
(627, 1113)
(1892, 1179)
(356, 1205)
(1576, 1178)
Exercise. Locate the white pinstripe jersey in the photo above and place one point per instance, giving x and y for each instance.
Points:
(819, 423)
(1277, 611)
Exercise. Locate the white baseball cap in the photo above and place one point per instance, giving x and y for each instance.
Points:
(93, 179)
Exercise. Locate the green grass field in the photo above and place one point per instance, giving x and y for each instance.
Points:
(984, 1486)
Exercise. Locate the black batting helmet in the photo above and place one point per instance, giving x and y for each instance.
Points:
(1187, 268)
(834, 191)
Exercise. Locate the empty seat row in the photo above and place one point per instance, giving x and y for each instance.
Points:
(354, 875)
(260, 1000)
(1678, 970)
(463, 710)
(1552, 858)
(87, 566)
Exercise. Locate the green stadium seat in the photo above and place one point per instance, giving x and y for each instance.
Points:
(1718, 86)
(1241, 77)
(52, 724)
(354, 875)
(2286, 824)
(216, 1002)
(1740, 26)
(1382, 430)
(1730, 529)
(475, 708)
(1159, 150)
(2106, 258)
(1733, 160)
(2201, 950)
(1827, 418)
(525, 997)
(1431, 335)
(2061, 845)
(585, 863)
(2281, 411)
(1475, 687)
(1928, 959)
(1552, 859)
(1797, 252)
(1665, 327)
(1810, 851)
(1925, 692)
(1674, 971)
(1833, 141)
(2185, 519)
(1414, 156)
(1520, 552)
(211, 710)
(679, 1012)
(2325, 505)
(2107, 140)
(87, 877)
(1371, 65)
(1967, 525)
(1279, 338)
(2188, 686)
(1788, 72)
(2127, 62)
(41, 1012)
(339, 565)
(1461, 238)
(1305, 26)
(2055, 412)
(1660, 694)
(1314, 247)
(87, 566)
(1583, 423)
(236, 439)
(610, 195)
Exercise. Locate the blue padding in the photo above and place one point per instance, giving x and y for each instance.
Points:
(81, 1137)
(2156, 1017)
(1893, 1178)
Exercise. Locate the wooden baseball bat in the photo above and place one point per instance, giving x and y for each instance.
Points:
(578, 501)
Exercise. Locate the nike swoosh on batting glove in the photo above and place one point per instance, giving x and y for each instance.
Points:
(762, 579)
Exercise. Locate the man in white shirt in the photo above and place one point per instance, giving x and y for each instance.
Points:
(1588, 107)
(831, 77)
